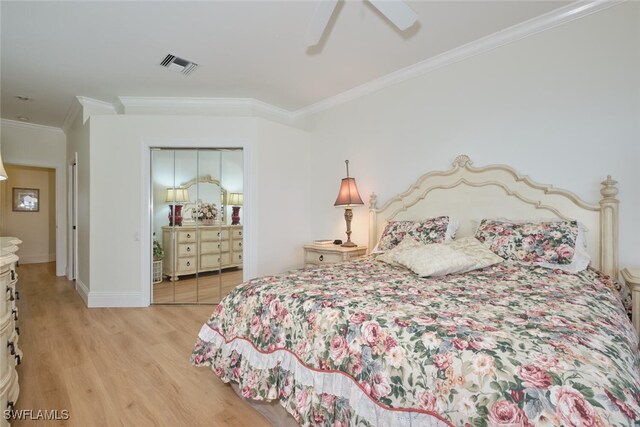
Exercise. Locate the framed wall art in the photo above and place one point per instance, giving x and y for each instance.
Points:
(26, 200)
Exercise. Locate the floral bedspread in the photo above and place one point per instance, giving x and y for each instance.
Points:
(364, 343)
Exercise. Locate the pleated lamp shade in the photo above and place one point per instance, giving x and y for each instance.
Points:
(348, 194)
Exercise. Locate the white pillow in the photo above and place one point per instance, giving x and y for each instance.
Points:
(481, 255)
(434, 260)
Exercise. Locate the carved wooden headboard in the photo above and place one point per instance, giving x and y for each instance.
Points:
(471, 193)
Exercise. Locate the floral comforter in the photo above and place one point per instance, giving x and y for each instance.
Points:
(364, 343)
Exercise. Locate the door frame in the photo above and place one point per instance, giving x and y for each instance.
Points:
(249, 267)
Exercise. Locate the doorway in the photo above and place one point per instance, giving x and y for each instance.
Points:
(196, 224)
(29, 211)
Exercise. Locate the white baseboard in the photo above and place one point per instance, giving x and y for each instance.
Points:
(37, 259)
(115, 299)
(83, 291)
(108, 299)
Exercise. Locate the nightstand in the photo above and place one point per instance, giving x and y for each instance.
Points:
(631, 277)
(315, 255)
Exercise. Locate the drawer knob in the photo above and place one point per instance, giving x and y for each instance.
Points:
(188, 248)
(240, 244)
(239, 256)
(218, 234)
(218, 245)
(18, 359)
(188, 235)
(13, 275)
(18, 330)
(12, 348)
(10, 291)
(18, 295)
(321, 258)
(240, 233)
(15, 314)
(188, 263)
(11, 406)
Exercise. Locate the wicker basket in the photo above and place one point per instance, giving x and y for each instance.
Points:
(157, 271)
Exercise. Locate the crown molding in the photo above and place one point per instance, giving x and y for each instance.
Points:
(27, 125)
(74, 109)
(222, 106)
(97, 104)
(511, 34)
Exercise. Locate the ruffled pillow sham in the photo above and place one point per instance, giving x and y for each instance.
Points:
(432, 230)
(556, 244)
(434, 260)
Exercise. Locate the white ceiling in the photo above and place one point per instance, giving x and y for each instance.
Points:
(54, 51)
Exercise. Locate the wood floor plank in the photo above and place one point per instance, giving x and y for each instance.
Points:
(116, 367)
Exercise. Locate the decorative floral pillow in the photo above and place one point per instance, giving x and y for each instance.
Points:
(432, 230)
(552, 242)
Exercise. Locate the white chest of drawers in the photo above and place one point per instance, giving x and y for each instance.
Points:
(10, 355)
(191, 249)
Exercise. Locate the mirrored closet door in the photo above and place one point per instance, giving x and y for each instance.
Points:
(197, 230)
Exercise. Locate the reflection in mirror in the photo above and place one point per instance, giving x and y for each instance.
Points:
(201, 258)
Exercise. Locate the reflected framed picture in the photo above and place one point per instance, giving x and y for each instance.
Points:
(26, 200)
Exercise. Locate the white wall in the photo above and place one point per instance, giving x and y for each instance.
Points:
(562, 106)
(276, 186)
(26, 144)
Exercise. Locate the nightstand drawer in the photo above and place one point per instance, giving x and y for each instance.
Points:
(318, 257)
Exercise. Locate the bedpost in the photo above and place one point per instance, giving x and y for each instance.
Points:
(373, 225)
(609, 227)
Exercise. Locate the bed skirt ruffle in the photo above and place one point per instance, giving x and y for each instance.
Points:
(312, 396)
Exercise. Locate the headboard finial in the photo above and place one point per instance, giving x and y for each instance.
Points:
(373, 201)
(462, 161)
(609, 188)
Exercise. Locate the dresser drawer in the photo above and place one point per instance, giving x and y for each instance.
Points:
(186, 249)
(236, 258)
(236, 245)
(186, 236)
(186, 265)
(236, 234)
(213, 235)
(313, 257)
(216, 247)
(214, 261)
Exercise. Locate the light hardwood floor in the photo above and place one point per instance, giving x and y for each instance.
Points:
(116, 367)
(207, 288)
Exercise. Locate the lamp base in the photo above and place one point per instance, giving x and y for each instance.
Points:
(348, 215)
(175, 215)
(235, 215)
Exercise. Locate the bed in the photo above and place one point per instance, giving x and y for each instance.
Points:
(371, 343)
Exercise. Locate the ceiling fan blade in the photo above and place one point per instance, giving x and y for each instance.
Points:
(397, 12)
(320, 20)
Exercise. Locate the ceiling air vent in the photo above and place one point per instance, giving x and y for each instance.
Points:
(179, 65)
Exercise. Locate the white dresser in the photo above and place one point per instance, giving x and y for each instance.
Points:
(10, 355)
(191, 249)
